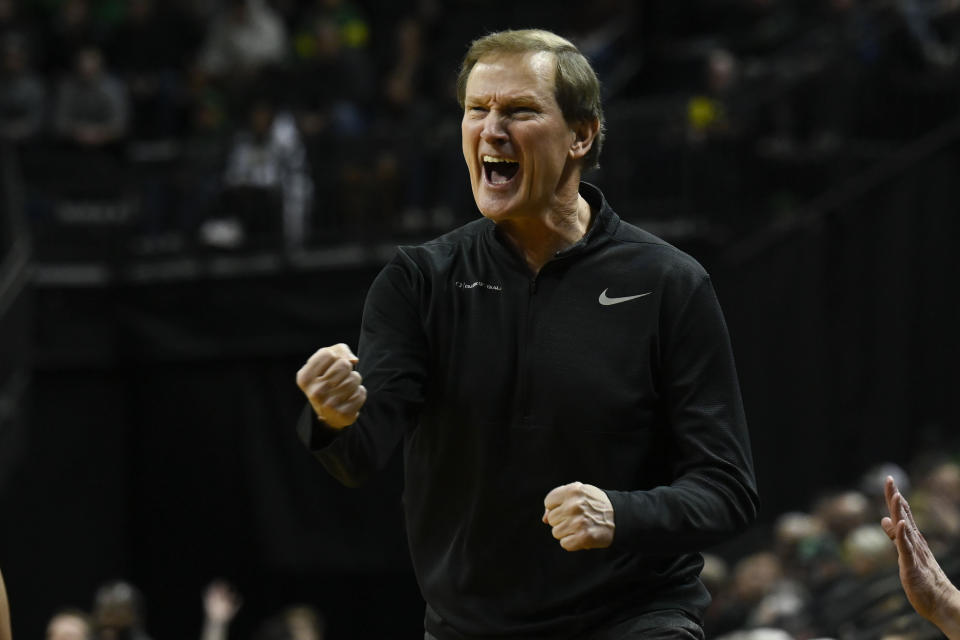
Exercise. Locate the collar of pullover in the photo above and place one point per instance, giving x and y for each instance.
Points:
(602, 226)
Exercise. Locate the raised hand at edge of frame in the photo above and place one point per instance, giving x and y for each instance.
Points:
(927, 587)
(5, 633)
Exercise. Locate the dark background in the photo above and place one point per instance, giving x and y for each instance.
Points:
(157, 442)
(146, 414)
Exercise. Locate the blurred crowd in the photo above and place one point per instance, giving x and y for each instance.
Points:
(119, 614)
(832, 572)
(226, 122)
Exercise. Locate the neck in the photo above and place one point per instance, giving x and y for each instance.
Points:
(539, 238)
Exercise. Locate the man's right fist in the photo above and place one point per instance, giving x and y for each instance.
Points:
(332, 386)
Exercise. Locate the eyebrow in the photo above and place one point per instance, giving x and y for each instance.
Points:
(520, 100)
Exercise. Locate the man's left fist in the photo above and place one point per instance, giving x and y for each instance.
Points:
(581, 516)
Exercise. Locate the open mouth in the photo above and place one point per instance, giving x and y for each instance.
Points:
(499, 170)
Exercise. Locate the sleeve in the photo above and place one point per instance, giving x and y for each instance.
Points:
(393, 362)
(713, 493)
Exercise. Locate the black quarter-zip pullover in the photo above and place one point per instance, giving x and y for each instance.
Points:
(611, 367)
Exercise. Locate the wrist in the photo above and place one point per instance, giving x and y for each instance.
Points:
(330, 423)
(947, 615)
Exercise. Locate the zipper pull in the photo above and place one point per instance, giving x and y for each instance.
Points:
(533, 286)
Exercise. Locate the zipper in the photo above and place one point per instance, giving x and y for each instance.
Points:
(525, 338)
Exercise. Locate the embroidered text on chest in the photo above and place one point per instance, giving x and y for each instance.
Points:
(475, 285)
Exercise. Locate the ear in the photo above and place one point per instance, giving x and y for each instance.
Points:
(585, 132)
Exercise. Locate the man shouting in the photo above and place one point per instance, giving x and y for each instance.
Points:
(562, 383)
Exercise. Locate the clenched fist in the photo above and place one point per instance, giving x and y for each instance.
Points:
(581, 516)
(331, 385)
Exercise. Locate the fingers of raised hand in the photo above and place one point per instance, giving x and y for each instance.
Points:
(889, 490)
(889, 528)
(907, 513)
(905, 547)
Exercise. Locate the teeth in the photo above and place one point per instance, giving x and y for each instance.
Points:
(493, 159)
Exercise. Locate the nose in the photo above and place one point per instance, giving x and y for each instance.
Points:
(493, 130)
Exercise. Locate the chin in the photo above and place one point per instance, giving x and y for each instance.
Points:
(497, 207)
(495, 212)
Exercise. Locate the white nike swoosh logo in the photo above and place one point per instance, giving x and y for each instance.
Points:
(604, 300)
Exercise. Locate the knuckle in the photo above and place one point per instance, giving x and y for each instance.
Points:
(329, 410)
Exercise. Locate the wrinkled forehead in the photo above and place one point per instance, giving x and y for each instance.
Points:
(498, 70)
